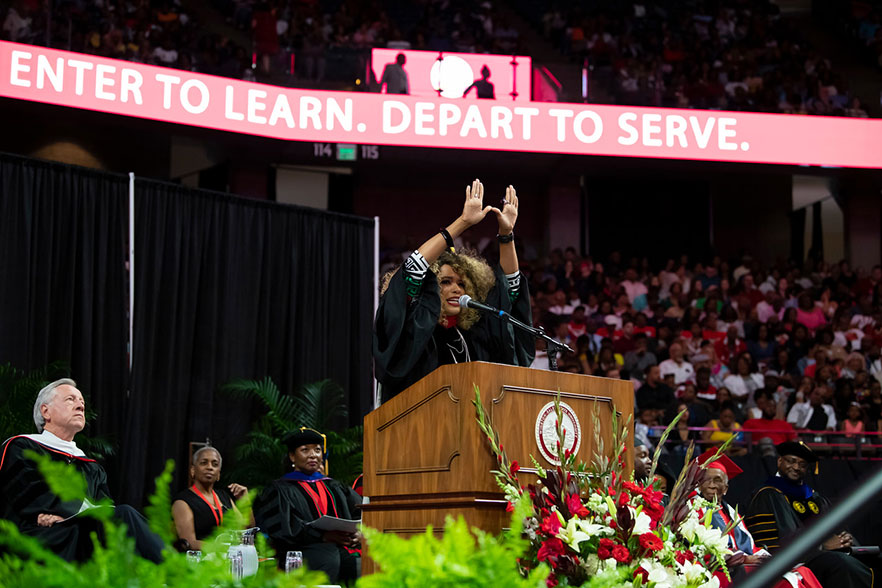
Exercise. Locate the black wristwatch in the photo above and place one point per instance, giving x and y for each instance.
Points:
(505, 238)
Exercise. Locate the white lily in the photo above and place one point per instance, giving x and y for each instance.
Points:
(641, 525)
(693, 572)
(572, 535)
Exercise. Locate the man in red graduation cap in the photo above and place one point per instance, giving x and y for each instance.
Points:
(780, 509)
(713, 488)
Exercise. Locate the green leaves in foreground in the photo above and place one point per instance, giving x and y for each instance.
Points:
(460, 558)
(25, 563)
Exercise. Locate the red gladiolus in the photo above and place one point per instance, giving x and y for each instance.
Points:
(621, 554)
(509, 507)
(551, 525)
(644, 575)
(623, 499)
(654, 511)
(551, 550)
(515, 468)
(575, 506)
(651, 542)
(632, 488)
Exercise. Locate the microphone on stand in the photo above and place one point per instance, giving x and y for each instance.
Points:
(465, 301)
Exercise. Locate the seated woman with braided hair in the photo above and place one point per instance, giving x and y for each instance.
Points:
(420, 324)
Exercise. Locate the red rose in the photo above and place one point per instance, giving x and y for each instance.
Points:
(651, 542)
(621, 554)
(606, 543)
(623, 499)
(644, 575)
(604, 553)
(551, 525)
(514, 468)
(550, 550)
(575, 506)
(551, 581)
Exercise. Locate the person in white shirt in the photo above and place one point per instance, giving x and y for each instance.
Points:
(748, 380)
(681, 369)
(813, 414)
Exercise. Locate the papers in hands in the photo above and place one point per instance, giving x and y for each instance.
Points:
(327, 523)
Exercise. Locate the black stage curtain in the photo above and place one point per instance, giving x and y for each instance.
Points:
(233, 288)
(63, 233)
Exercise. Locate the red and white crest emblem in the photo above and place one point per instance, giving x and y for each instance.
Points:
(546, 431)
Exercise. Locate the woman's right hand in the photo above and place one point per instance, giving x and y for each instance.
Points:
(473, 210)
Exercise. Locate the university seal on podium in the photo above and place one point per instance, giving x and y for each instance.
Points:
(546, 431)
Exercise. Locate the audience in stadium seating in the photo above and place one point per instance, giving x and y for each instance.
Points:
(810, 362)
(723, 55)
(716, 55)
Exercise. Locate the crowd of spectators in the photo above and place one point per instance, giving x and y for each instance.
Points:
(737, 345)
(713, 54)
(860, 20)
(717, 54)
(144, 31)
(266, 37)
(310, 30)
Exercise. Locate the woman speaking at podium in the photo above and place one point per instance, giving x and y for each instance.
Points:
(420, 324)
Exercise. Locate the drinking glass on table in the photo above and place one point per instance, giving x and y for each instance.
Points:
(293, 560)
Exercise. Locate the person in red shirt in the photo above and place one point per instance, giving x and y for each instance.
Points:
(578, 325)
(772, 430)
(703, 387)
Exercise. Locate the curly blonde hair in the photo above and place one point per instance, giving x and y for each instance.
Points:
(476, 275)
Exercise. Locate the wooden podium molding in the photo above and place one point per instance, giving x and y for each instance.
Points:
(426, 458)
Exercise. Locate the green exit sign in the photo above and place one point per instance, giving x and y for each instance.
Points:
(346, 152)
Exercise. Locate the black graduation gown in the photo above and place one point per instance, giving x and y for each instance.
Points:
(27, 495)
(204, 522)
(405, 348)
(282, 510)
(775, 516)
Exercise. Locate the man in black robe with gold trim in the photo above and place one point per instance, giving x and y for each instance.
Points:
(286, 507)
(59, 414)
(780, 509)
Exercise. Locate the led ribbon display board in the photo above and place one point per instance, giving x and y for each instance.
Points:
(169, 95)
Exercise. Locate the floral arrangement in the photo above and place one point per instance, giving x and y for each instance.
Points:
(596, 528)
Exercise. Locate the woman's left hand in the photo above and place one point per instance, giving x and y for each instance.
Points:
(237, 490)
(509, 213)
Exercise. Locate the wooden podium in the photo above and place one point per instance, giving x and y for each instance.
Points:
(425, 456)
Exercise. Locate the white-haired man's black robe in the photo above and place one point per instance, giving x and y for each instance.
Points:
(26, 495)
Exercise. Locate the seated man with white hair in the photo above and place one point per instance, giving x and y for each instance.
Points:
(59, 414)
